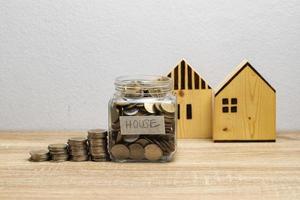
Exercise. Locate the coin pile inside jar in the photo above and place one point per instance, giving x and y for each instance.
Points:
(58, 152)
(78, 149)
(142, 147)
(39, 155)
(97, 144)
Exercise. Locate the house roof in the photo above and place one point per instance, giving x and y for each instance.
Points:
(180, 68)
(245, 63)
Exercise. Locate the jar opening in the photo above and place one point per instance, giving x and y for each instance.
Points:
(143, 85)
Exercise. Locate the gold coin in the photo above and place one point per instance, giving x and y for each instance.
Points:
(79, 158)
(149, 107)
(97, 151)
(120, 151)
(158, 107)
(122, 103)
(136, 151)
(39, 152)
(58, 152)
(57, 146)
(142, 142)
(153, 152)
(97, 133)
(77, 140)
(168, 107)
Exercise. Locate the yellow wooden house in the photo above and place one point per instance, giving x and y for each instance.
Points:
(244, 107)
(194, 97)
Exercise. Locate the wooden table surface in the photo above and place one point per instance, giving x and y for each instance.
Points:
(201, 170)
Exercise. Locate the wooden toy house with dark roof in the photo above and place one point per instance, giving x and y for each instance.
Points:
(244, 107)
(194, 97)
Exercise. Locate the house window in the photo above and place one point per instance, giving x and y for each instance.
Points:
(178, 111)
(189, 111)
(232, 105)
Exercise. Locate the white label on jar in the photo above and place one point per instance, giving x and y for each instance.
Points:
(138, 125)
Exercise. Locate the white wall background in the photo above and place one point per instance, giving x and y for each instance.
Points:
(58, 59)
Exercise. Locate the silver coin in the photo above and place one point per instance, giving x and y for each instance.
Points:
(130, 138)
(131, 111)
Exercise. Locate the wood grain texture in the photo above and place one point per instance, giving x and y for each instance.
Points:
(201, 170)
(255, 118)
(198, 94)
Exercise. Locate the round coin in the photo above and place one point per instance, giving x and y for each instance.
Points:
(120, 151)
(142, 142)
(54, 147)
(39, 152)
(153, 152)
(97, 133)
(168, 107)
(149, 107)
(136, 151)
(158, 107)
(131, 111)
(130, 138)
(77, 139)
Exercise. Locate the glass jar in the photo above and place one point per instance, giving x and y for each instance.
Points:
(142, 120)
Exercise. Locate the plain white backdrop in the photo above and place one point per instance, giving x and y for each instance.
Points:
(58, 59)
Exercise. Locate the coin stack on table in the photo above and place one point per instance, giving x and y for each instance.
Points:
(39, 155)
(142, 147)
(58, 152)
(78, 149)
(97, 144)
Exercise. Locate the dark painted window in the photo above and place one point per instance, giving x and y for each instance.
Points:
(232, 105)
(225, 101)
(233, 100)
(178, 111)
(189, 111)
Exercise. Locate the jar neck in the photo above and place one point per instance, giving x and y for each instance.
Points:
(143, 86)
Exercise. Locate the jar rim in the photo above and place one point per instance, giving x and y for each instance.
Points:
(162, 83)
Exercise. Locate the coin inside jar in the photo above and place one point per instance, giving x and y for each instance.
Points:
(158, 107)
(168, 107)
(131, 111)
(149, 107)
(130, 138)
(136, 151)
(120, 151)
(142, 142)
(114, 112)
(153, 152)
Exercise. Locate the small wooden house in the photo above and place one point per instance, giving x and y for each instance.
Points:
(194, 97)
(244, 107)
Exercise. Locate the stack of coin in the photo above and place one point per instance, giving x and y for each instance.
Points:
(97, 144)
(58, 152)
(39, 155)
(78, 149)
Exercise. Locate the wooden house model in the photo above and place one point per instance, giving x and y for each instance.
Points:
(244, 107)
(194, 97)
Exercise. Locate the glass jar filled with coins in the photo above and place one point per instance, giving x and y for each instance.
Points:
(142, 120)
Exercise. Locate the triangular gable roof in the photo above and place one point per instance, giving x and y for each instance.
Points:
(178, 69)
(245, 63)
